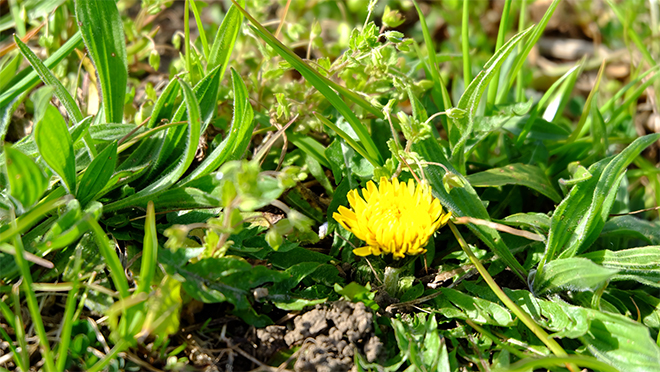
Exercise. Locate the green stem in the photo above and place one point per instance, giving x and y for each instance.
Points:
(31, 298)
(520, 94)
(186, 26)
(504, 22)
(100, 365)
(465, 43)
(67, 324)
(515, 309)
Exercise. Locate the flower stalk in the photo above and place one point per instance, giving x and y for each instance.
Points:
(554, 347)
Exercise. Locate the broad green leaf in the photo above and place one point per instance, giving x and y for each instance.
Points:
(225, 38)
(632, 227)
(214, 280)
(463, 124)
(580, 217)
(589, 227)
(27, 78)
(56, 148)
(184, 161)
(97, 174)
(163, 309)
(621, 342)
(614, 339)
(464, 202)
(8, 70)
(533, 364)
(639, 264)
(26, 180)
(103, 32)
(455, 304)
(314, 78)
(533, 220)
(240, 133)
(574, 274)
(516, 174)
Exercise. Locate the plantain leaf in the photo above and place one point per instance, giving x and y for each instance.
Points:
(580, 217)
(182, 163)
(97, 174)
(454, 304)
(26, 180)
(24, 80)
(56, 148)
(516, 174)
(632, 227)
(574, 274)
(225, 38)
(103, 32)
(240, 133)
(640, 264)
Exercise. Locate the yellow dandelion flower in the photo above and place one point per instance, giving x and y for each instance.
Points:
(395, 217)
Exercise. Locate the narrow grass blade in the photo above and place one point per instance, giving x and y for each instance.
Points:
(26, 180)
(354, 144)
(587, 106)
(200, 28)
(529, 44)
(636, 39)
(439, 90)
(103, 32)
(501, 32)
(469, 101)
(68, 317)
(313, 77)
(56, 148)
(28, 77)
(110, 257)
(97, 174)
(465, 43)
(542, 102)
(311, 147)
(31, 298)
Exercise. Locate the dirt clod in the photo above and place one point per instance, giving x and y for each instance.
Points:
(330, 336)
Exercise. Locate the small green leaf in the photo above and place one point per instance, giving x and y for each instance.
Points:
(56, 148)
(574, 274)
(26, 180)
(103, 32)
(98, 174)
